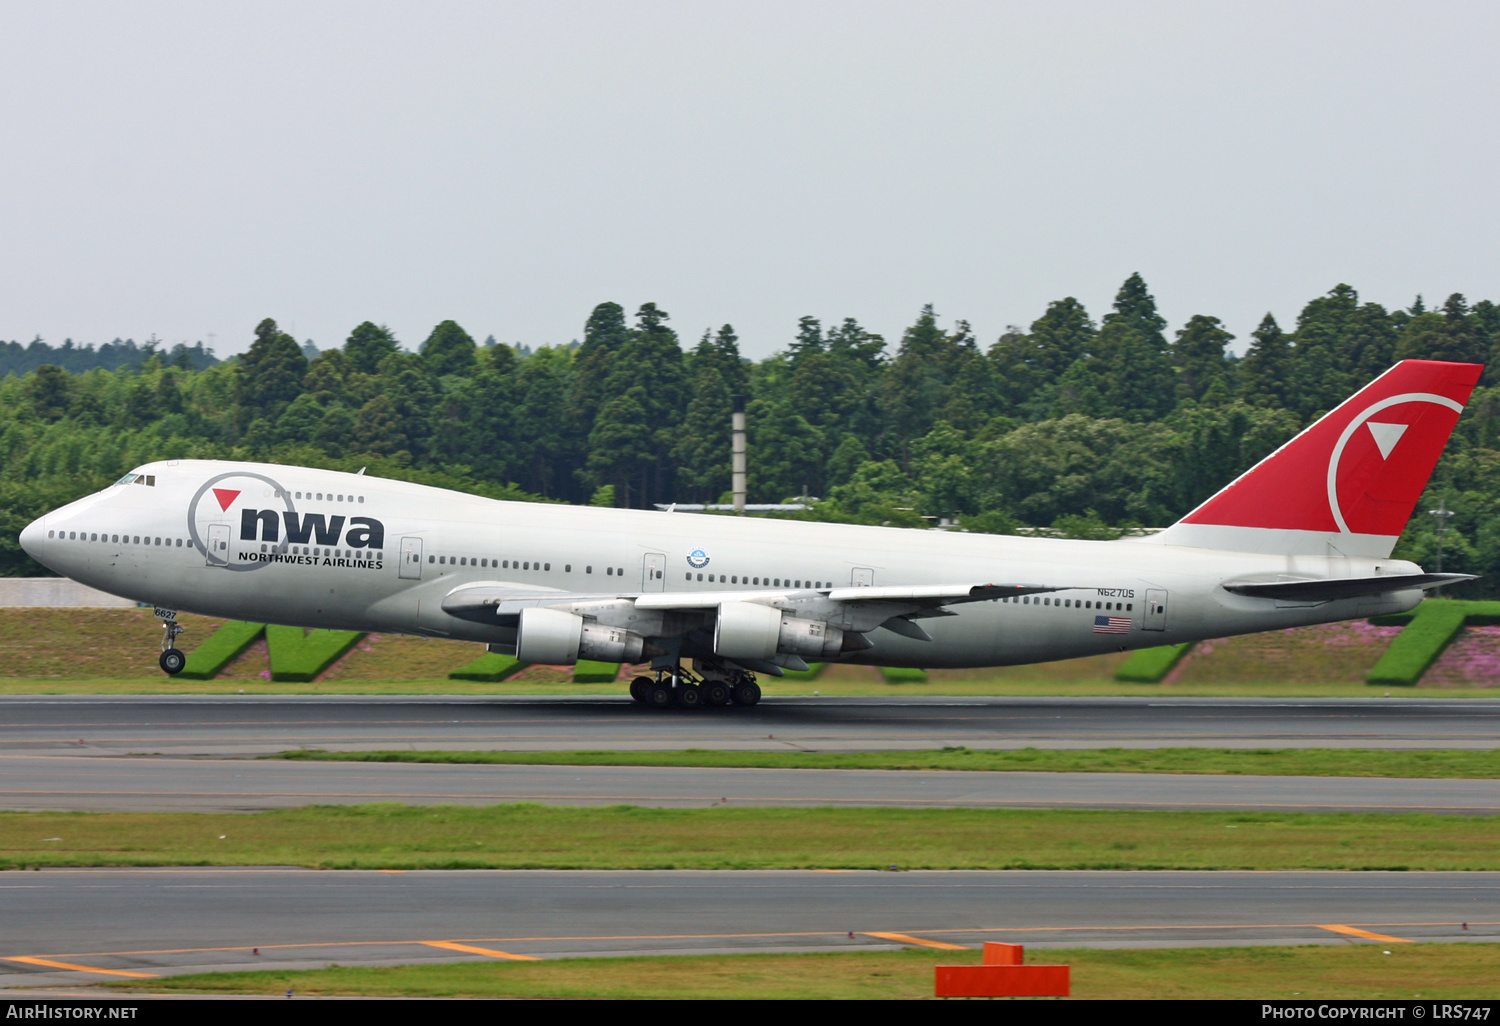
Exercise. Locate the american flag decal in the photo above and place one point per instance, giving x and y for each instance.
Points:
(1111, 625)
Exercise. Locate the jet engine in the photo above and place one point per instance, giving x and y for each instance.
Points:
(749, 630)
(555, 636)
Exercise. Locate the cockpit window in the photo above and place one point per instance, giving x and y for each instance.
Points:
(149, 480)
(126, 479)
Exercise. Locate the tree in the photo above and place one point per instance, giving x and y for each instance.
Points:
(47, 391)
(648, 366)
(622, 446)
(1448, 335)
(448, 350)
(271, 373)
(377, 428)
(1265, 374)
(1028, 365)
(1198, 355)
(367, 345)
(1320, 364)
(918, 383)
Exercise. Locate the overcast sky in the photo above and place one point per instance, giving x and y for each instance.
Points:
(190, 168)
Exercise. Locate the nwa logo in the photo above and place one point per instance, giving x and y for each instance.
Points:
(311, 528)
(266, 526)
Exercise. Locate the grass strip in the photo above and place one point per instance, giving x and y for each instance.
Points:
(902, 675)
(525, 836)
(490, 668)
(1307, 972)
(589, 671)
(298, 656)
(1150, 665)
(219, 649)
(1450, 764)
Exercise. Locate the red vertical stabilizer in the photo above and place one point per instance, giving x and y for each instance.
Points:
(1347, 485)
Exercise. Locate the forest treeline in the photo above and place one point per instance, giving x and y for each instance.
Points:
(1085, 426)
(117, 355)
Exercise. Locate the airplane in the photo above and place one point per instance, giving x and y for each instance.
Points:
(1304, 537)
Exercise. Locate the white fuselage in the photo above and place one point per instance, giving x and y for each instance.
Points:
(383, 555)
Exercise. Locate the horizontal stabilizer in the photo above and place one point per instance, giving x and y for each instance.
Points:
(1345, 588)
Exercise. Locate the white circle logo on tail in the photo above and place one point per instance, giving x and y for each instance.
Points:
(1386, 437)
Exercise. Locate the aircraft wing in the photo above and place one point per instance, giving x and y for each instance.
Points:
(925, 595)
(856, 609)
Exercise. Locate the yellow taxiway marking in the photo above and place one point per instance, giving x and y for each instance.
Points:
(1354, 931)
(81, 968)
(906, 938)
(732, 936)
(472, 950)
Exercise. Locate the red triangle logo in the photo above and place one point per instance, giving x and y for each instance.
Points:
(225, 497)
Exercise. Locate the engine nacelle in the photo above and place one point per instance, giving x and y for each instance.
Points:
(811, 639)
(555, 636)
(749, 630)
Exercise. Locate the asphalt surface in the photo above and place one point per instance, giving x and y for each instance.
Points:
(61, 928)
(92, 783)
(69, 926)
(254, 725)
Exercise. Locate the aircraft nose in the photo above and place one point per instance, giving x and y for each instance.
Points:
(31, 537)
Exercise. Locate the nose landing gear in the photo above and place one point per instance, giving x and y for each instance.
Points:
(172, 659)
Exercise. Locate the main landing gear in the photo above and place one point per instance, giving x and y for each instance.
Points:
(684, 689)
(172, 659)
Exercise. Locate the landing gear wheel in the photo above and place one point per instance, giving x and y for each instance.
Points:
(640, 687)
(172, 661)
(689, 696)
(658, 696)
(746, 692)
(715, 693)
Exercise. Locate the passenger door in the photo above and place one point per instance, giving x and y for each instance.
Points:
(218, 545)
(862, 577)
(1155, 617)
(411, 558)
(654, 572)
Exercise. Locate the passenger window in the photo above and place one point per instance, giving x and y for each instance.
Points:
(432, 559)
(546, 566)
(610, 571)
(588, 569)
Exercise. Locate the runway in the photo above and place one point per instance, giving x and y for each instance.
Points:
(255, 725)
(78, 926)
(157, 784)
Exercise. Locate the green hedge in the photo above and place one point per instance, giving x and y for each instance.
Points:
(1151, 665)
(219, 649)
(813, 672)
(589, 672)
(1428, 630)
(299, 658)
(903, 675)
(490, 668)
